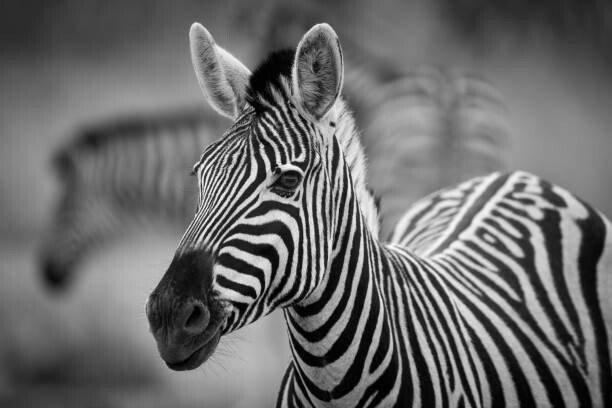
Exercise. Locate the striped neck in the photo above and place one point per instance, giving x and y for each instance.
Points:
(328, 329)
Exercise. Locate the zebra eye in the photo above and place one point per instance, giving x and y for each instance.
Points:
(286, 183)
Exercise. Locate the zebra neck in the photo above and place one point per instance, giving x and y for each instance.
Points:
(330, 332)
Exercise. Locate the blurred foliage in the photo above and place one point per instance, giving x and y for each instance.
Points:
(588, 21)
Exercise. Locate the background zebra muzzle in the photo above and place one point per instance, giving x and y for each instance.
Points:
(184, 318)
(54, 275)
(56, 271)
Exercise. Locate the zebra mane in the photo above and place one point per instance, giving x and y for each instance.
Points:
(356, 160)
(267, 80)
(270, 81)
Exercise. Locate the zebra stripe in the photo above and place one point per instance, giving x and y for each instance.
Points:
(489, 294)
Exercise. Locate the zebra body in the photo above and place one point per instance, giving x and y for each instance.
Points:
(480, 300)
(490, 293)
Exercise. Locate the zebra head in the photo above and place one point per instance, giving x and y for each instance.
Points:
(262, 234)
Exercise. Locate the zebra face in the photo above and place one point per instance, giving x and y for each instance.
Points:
(261, 236)
(263, 215)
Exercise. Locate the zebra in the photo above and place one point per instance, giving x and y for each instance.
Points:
(126, 172)
(495, 292)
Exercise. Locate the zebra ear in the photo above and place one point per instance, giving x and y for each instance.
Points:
(221, 76)
(318, 70)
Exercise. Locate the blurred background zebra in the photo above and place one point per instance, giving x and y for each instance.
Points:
(121, 173)
(80, 63)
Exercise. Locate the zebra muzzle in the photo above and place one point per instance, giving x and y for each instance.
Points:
(184, 318)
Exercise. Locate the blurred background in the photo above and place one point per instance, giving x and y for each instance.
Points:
(68, 63)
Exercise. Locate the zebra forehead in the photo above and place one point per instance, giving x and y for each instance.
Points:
(261, 132)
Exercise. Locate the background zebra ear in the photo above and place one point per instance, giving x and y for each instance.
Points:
(221, 76)
(318, 70)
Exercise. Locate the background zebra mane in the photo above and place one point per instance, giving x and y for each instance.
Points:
(270, 80)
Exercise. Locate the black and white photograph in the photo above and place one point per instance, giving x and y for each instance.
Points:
(305, 203)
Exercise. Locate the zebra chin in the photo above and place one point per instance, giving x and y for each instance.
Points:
(197, 357)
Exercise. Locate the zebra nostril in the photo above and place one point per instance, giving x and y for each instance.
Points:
(197, 318)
